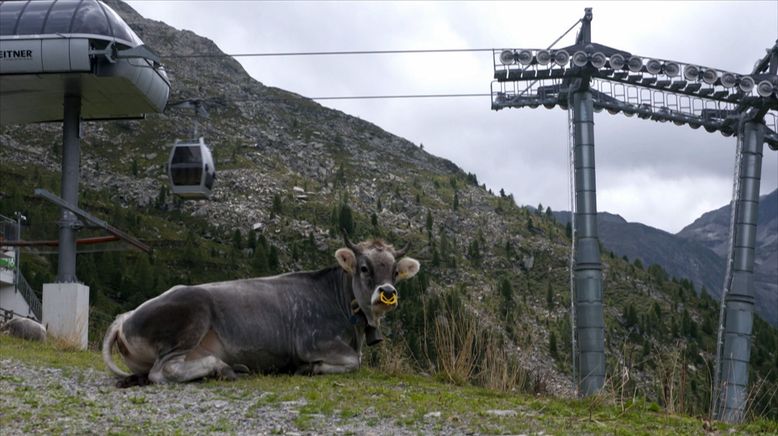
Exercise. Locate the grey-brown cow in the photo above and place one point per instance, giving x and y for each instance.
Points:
(24, 328)
(302, 322)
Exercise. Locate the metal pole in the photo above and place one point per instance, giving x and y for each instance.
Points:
(571, 175)
(588, 270)
(738, 317)
(71, 156)
(715, 395)
(17, 252)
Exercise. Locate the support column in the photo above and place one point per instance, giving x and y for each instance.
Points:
(738, 317)
(588, 270)
(71, 161)
(66, 303)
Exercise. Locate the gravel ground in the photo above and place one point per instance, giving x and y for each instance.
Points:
(75, 401)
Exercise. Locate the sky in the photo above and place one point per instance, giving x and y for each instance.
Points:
(658, 174)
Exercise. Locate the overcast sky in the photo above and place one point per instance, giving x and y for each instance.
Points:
(658, 174)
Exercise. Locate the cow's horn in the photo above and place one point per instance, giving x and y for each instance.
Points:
(401, 252)
(350, 245)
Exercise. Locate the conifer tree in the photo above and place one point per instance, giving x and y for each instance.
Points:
(549, 297)
(273, 262)
(161, 197)
(237, 240)
(251, 239)
(345, 219)
(474, 252)
(552, 348)
(506, 297)
(260, 261)
(435, 256)
(277, 204)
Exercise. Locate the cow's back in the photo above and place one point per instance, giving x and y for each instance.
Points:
(25, 328)
(271, 324)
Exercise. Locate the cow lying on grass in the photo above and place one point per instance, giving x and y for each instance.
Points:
(24, 328)
(301, 322)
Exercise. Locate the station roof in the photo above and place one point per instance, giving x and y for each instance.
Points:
(53, 48)
(64, 17)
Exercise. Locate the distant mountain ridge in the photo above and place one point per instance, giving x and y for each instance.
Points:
(699, 251)
(679, 257)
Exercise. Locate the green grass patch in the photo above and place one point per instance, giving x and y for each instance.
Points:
(412, 402)
(50, 354)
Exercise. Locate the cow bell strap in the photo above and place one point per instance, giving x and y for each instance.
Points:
(356, 314)
(372, 335)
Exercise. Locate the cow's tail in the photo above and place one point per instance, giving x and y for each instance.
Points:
(108, 341)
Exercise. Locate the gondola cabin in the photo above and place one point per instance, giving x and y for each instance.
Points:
(191, 170)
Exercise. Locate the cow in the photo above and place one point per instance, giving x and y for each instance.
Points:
(310, 322)
(24, 328)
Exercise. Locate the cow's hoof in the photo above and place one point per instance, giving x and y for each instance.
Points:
(241, 369)
(133, 380)
(227, 374)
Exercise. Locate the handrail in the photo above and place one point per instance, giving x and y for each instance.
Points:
(28, 294)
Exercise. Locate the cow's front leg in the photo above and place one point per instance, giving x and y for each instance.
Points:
(339, 366)
(178, 370)
(338, 359)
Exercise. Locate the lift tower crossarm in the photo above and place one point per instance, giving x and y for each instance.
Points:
(92, 219)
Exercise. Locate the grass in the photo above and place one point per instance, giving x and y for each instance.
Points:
(49, 354)
(412, 402)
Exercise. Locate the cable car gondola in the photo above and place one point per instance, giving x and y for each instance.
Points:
(191, 170)
(190, 167)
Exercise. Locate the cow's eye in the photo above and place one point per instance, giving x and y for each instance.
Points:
(363, 268)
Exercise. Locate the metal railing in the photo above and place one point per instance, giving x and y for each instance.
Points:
(9, 231)
(27, 292)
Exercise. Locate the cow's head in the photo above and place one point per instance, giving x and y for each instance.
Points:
(375, 267)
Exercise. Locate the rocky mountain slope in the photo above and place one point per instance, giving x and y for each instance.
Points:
(477, 280)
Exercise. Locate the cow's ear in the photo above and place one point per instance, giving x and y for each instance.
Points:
(346, 260)
(407, 268)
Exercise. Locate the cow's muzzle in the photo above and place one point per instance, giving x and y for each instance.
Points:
(387, 295)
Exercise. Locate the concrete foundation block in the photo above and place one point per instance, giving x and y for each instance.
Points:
(66, 312)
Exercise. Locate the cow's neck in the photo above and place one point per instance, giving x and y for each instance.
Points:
(348, 301)
(335, 278)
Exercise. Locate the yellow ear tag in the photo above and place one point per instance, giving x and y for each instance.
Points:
(388, 301)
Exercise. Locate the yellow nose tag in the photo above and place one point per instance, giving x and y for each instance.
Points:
(391, 301)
